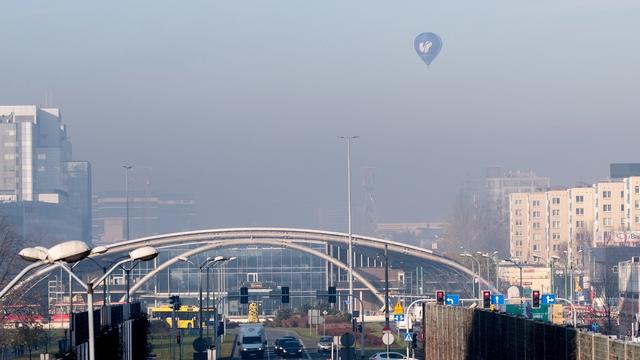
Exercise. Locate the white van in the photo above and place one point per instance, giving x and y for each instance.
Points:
(252, 342)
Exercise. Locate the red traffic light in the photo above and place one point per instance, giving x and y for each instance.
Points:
(440, 297)
(535, 301)
(486, 299)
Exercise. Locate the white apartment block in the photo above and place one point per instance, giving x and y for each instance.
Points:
(545, 224)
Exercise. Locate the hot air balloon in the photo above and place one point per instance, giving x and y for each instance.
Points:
(428, 46)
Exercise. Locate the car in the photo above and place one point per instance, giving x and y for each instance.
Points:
(277, 344)
(291, 348)
(324, 344)
(392, 356)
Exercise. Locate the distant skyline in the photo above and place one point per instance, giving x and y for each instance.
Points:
(241, 104)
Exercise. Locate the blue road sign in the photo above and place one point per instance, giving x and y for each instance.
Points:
(497, 299)
(408, 337)
(399, 317)
(549, 299)
(452, 299)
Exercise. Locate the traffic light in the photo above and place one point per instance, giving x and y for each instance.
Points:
(535, 301)
(440, 297)
(244, 295)
(174, 302)
(332, 294)
(285, 294)
(354, 324)
(359, 328)
(486, 299)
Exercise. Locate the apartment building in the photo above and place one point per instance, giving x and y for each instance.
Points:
(547, 223)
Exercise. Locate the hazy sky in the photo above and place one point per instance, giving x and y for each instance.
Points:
(240, 102)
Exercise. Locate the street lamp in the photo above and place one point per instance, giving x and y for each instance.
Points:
(144, 253)
(552, 263)
(494, 258)
(477, 272)
(350, 252)
(519, 267)
(126, 194)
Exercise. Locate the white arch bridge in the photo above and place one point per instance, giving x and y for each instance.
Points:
(201, 241)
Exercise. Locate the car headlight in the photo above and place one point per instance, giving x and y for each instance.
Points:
(259, 348)
(284, 350)
(299, 350)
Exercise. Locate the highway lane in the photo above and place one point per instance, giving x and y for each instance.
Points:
(309, 352)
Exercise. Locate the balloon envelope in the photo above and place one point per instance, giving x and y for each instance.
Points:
(427, 46)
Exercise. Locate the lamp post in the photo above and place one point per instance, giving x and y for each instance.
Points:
(350, 252)
(494, 259)
(144, 253)
(477, 272)
(552, 264)
(519, 267)
(126, 194)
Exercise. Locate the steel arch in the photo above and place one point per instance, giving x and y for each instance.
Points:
(221, 244)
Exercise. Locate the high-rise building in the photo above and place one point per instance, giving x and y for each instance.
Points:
(78, 182)
(34, 183)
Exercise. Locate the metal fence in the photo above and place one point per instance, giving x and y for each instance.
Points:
(463, 333)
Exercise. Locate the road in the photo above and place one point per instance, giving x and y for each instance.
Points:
(310, 351)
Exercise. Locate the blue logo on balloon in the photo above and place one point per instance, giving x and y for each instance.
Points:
(428, 46)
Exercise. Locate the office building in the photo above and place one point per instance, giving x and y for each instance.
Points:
(629, 290)
(148, 215)
(34, 180)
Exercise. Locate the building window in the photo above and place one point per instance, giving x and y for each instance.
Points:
(555, 224)
(579, 198)
(579, 211)
(42, 156)
(536, 202)
(518, 222)
(579, 224)
(622, 207)
(637, 189)
(637, 219)
(606, 221)
(555, 236)
(535, 247)
(606, 194)
(536, 225)
(518, 212)
(606, 207)
(536, 214)
(622, 194)
(518, 202)
(637, 204)
(580, 236)
(555, 212)
(555, 200)
(518, 233)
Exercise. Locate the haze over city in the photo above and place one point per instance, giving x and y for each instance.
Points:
(241, 104)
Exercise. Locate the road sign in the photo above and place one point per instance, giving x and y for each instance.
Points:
(497, 299)
(398, 317)
(386, 330)
(452, 299)
(387, 339)
(201, 344)
(398, 309)
(549, 299)
(408, 337)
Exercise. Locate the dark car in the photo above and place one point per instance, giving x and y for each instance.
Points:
(277, 345)
(291, 348)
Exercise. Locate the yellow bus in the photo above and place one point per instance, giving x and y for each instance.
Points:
(186, 316)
